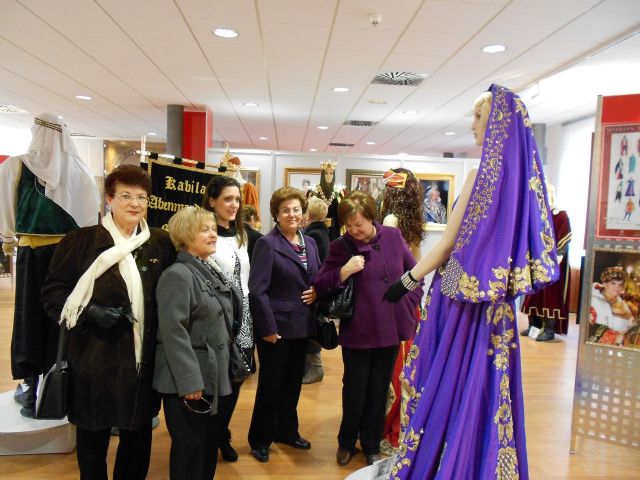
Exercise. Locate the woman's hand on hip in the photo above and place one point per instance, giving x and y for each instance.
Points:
(194, 396)
(309, 296)
(272, 338)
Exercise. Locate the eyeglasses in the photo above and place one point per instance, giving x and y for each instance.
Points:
(287, 211)
(128, 198)
(188, 406)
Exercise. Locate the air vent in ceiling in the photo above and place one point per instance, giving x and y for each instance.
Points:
(332, 144)
(11, 109)
(408, 79)
(360, 123)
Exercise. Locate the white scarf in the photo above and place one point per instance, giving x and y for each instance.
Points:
(120, 253)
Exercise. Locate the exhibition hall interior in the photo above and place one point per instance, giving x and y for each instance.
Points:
(320, 239)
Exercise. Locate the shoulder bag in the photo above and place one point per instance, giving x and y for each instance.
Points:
(51, 400)
(341, 303)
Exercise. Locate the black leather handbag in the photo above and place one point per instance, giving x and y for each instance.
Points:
(341, 303)
(327, 334)
(51, 400)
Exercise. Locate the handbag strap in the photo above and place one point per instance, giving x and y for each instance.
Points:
(62, 336)
(227, 322)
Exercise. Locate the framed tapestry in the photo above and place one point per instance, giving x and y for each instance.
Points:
(369, 181)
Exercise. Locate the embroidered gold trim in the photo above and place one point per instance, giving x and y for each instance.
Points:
(44, 123)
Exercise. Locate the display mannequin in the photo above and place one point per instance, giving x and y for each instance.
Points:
(465, 410)
(230, 167)
(549, 309)
(44, 194)
(402, 207)
(329, 193)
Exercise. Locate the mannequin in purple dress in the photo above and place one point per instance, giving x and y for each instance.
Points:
(464, 416)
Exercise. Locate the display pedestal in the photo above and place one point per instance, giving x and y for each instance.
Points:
(24, 436)
(363, 474)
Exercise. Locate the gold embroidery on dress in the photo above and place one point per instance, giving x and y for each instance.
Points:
(507, 462)
(522, 110)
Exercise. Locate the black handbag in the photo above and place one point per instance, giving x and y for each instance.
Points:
(341, 303)
(51, 400)
(326, 335)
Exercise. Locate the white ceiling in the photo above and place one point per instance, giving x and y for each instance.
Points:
(136, 57)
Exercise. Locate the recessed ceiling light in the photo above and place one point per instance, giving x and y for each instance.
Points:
(250, 104)
(83, 97)
(403, 153)
(449, 134)
(378, 102)
(370, 143)
(341, 89)
(410, 112)
(323, 127)
(263, 138)
(225, 32)
(313, 149)
(495, 48)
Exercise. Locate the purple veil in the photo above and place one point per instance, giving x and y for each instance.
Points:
(505, 246)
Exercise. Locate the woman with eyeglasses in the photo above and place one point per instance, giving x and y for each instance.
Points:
(281, 298)
(101, 285)
(196, 311)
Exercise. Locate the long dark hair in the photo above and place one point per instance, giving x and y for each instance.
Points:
(214, 189)
(406, 204)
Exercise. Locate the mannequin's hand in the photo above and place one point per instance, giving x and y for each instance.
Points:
(9, 249)
(395, 292)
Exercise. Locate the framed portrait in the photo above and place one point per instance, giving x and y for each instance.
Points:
(301, 178)
(614, 299)
(252, 175)
(439, 191)
(369, 181)
(124, 153)
(618, 212)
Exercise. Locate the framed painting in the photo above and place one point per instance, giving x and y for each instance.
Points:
(618, 208)
(252, 175)
(439, 191)
(124, 153)
(614, 299)
(301, 178)
(369, 181)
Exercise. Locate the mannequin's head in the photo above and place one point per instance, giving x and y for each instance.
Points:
(327, 179)
(481, 110)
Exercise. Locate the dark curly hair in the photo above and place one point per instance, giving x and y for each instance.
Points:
(407, 205)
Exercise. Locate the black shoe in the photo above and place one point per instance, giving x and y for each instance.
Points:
(28, 412)
(525, 332)
(260, 454)
(344, 456)
(373, 458)
(546, 336)
(228, 453)
(299, 443)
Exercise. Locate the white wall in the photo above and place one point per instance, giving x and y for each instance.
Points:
(14, 141)
(568, 167)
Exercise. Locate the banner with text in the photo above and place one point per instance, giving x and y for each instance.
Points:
(174, 187)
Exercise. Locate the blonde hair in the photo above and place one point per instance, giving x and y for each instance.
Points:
(317, 209)
(483, 103)
(185, 224)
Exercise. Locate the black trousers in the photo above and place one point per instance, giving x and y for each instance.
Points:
(226, 406)
(275, 415)
(132, 457)
(367, 373)
(35, 336)
(194, 440)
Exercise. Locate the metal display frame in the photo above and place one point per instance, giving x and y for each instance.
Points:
(606, 403)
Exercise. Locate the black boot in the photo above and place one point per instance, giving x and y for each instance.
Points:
(27, 396)
(547, 334)
(534, 321)
(227, 452)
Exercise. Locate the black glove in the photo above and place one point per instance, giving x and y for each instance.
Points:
(399, 289)
(107, 317)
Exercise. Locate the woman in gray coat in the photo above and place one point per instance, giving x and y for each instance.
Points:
(196, 311)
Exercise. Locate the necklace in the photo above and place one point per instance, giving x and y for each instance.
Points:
(320, 193)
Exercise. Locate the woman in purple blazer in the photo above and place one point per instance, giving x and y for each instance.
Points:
(370, 339)
(283, 267)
